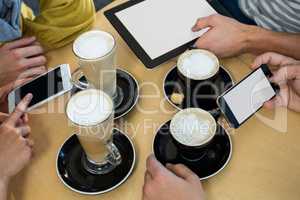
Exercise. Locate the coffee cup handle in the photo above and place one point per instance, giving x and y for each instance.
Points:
(114, 157)
(75, 79)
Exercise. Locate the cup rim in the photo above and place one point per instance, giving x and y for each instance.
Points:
(97, 58)
(214, 128)
(202, 51)
(91, 125)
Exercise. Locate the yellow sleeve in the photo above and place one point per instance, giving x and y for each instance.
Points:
(60, 21)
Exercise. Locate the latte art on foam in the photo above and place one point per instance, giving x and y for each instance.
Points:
(93, 44)
(193, 127)
(89, 107)
(198, 64)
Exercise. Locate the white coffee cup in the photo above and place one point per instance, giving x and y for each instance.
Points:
(96, 53)
(192, 130)
(91, 113)
(198, 65)
(193, 127)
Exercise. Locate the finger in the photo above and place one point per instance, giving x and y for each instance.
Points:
(183, 172)
(154, 167)
(269, 104)
(203, 43)
(6, 89)
(33, 62)
(285, 74)
(147, 177)
(204, 22)
(24, 130)
(30, 142)
(25, 118)
(20, 82)
(37, 43)
(29, 51)
(19, 43)
(32, 72)
(145, 192)
(283, 99)
(20, 109)
(272, 59)
(145, 197)
(3, 117)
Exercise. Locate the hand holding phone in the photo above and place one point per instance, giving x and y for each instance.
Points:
(244, 99)
(44, 88)
(287, 77)
(15, 146)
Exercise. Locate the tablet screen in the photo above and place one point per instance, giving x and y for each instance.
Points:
(162, 26)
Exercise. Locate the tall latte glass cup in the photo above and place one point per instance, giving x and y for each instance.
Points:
(96, 53)
(91, 113)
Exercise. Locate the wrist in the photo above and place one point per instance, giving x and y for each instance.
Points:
(256, 39)
(250, 38)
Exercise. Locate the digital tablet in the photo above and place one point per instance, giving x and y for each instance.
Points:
(157, 30)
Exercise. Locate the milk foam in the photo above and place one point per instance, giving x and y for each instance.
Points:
(192, 127)
(93, 44)
(89, 107)
(197, 65)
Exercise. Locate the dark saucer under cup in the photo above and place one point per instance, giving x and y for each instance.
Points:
(129, 87)
(127, 93)
(212, 160)
(204, 96)
(71, 172)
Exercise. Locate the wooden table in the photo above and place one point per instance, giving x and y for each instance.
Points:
(265, 163)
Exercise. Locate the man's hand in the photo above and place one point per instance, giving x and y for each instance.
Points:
(15, 147)
(6, 89)
(21, 59)
(176, 182)
(3, 117)
(287, 77)
(22, 121)
(226, 36)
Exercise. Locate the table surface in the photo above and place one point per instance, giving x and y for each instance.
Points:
(266, 149)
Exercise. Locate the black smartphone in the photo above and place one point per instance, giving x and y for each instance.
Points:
(244, 99)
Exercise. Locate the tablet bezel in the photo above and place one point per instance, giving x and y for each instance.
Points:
(133, 43)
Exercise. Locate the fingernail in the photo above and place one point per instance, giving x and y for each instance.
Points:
(168, 165)
(43, 68)
(28, 97)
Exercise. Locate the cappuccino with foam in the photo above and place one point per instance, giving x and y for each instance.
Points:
(198, 64)
(91, 111)
(193, 127)
(96, 51)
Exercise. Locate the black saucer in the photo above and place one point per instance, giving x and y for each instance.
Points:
(130, 89)
(172, 83)
(213, 160)
(128, 92)
(76, 178)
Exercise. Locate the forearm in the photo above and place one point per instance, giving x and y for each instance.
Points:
(260, 40)
(3, 189)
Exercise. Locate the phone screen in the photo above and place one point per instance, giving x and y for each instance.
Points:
(249, 95)
(42, 87)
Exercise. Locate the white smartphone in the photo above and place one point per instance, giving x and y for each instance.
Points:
(44, 88)
(244, 99)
